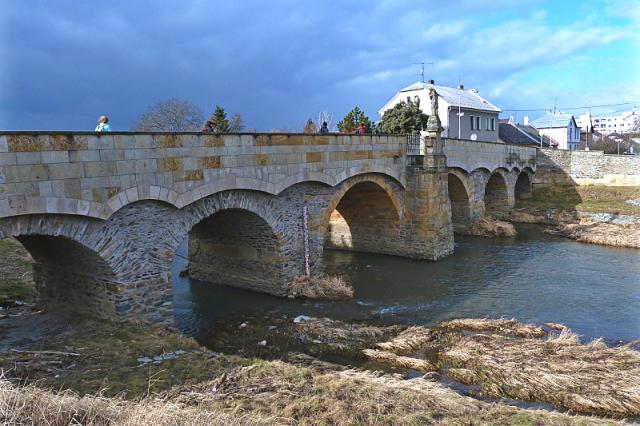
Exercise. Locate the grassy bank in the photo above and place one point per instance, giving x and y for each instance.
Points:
(90, 372)
(592, 198)
(198, 386)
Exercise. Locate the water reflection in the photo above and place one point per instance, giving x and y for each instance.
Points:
(534, 277)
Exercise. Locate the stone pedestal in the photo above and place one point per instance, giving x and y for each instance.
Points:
(426, 218)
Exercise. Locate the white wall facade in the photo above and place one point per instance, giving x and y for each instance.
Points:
(449, 118)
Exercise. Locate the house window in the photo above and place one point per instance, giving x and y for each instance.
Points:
(493, 124)
(478, 124)
(473, 122)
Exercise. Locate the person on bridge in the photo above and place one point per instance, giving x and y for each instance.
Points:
(361, 130)
(102, 124)
(324, 129)
(208, 127)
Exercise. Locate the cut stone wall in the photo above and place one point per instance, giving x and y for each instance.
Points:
(563, 167)
(96, 174)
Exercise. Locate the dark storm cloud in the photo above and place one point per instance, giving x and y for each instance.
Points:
(277, 63)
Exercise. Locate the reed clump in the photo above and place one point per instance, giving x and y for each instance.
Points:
(328, 288)
(489, 227)
(506, 326)
(388, 357)
(341, 337)
(410, 340)
(588, 378)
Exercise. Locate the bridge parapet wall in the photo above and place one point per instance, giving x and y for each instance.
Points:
(95, 175)
(470, 155)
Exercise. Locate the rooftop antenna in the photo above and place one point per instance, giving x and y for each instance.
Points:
(422, 64)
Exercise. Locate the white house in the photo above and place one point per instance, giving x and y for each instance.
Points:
(605, 124)
(478, 118)
(559, 127)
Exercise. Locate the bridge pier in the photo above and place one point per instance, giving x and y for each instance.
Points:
(426, 222)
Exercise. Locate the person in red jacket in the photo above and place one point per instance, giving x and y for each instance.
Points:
(361, 130)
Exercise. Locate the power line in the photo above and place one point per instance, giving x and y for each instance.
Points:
(571, 108)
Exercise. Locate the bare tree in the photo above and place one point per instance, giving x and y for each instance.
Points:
(325, 116)
(236, 124)
(172, 115)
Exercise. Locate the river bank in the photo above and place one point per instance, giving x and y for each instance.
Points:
(590, 214)
(139, 374)
(283, 369)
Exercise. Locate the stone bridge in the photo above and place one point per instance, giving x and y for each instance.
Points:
(103, 214)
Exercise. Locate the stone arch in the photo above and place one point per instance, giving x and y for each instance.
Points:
(364, 215)
(496, 194)
(141, 193)
(232, 182)
(235, 239)
(523, 186)
(459, 198)
(70, 273)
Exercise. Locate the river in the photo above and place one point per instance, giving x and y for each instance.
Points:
(534, 277)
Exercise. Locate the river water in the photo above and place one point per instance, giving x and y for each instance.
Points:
(534, 277)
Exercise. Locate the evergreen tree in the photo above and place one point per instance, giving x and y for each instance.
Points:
(309, 128)
(219, 120)
(405, 117)
(352, 120)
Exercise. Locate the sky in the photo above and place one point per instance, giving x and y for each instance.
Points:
(63, 63)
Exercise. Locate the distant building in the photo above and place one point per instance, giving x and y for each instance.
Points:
(606, 124)
(559, 127)
(513, 133)
(478, 120)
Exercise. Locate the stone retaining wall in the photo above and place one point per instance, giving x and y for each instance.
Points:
(563, 167)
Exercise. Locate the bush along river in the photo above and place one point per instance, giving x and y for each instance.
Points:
(533, 277)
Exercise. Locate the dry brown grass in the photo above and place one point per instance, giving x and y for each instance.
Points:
(32, 406)
(302, 396)
(508, 326)
(341, 337)
(590, 378)
(489, 227)
(330, 288)
(608, 234)
(410, 340)
(387, 357)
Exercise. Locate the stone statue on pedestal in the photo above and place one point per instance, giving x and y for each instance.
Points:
(433, 124)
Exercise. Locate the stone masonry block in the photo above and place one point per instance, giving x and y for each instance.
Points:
(55, 157)
(28, 158)
(45, 188)
(86, 155)
(125, 167)
(111, 154)
(99, 168)
(8, 159)
(4, 146)
(146, 166)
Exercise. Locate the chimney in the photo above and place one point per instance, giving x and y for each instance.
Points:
(461, 86)
(526, 120)
(431, 82)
